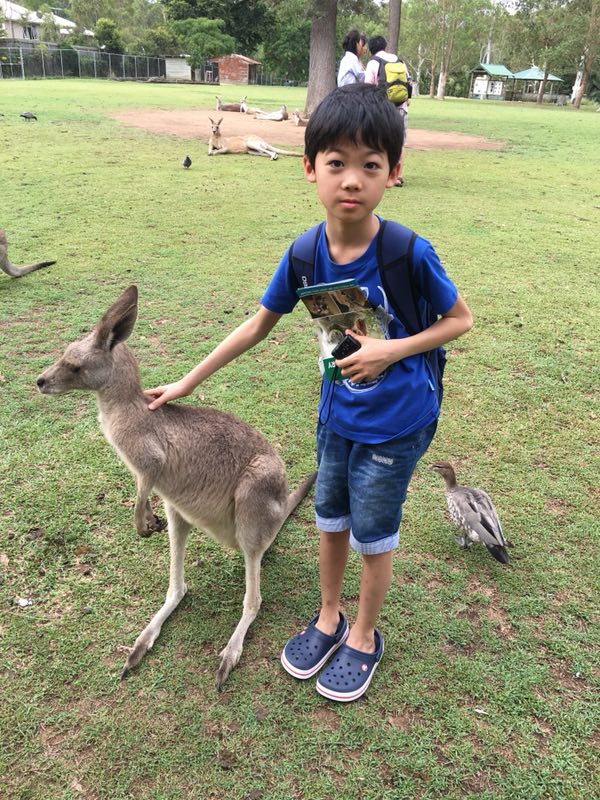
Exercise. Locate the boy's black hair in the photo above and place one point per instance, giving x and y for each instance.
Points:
(358, 113)
(376, 43)
(351, 40)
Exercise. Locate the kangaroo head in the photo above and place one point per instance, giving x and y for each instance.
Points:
(215, 126)
(88, 363)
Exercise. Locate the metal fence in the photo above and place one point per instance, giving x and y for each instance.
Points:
(43, 61)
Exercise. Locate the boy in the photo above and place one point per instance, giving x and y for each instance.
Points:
(377, 49)
(382, 416)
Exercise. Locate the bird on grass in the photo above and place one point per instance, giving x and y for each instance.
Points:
(473, 512)
(187, 162)
(28, 115)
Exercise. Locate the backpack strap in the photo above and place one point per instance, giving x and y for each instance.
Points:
(395, 244)
(301, 256)
(381, 79)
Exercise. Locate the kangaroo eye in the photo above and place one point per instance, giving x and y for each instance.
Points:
(74, 368)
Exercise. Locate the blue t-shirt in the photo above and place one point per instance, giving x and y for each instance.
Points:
(402, 399)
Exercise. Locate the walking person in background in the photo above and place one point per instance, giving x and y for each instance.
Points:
(379, 54)
(351, 70)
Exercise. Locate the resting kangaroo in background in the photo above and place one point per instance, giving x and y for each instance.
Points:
(299, 120)
(276, 116)
(211, 469)
(221, 106)
(253, 145)
(17, 272)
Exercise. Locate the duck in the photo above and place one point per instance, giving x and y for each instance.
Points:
(187, 162)
(472, 511)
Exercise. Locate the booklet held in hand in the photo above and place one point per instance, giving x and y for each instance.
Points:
(335, 308)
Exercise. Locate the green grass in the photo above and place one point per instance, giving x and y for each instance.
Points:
(489, 684)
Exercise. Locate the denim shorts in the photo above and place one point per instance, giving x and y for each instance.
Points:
(362, 487)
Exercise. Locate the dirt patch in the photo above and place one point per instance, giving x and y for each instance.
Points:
(195, 124)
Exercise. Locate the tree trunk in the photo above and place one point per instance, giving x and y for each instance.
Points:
(442, 80)
(420, 62)
(577, 84)
(446, 61)
(394, 17)
(592, 43)
(321, 65)
(542, 88)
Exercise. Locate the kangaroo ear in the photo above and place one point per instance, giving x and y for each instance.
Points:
(117, 323)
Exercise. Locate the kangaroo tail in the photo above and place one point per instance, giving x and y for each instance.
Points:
(287, 153)
(299, 494)
(17, 272)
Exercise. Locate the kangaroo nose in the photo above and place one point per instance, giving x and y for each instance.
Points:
(40, 382)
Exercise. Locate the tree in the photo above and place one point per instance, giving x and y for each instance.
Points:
(287, 48)
(590, 17)
(394, 19)
(160, 41)
(86, 13)
(203, 39)
(49, 30)
(545, 30)
(108, 36)
(247, 21)
(321, 68)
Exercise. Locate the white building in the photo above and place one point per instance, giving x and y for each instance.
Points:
(23, 24)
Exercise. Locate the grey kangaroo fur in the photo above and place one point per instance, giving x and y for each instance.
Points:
(211, 469)
(17, 272)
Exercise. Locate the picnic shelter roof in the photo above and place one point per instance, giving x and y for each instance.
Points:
(534, 74)
(495, 70)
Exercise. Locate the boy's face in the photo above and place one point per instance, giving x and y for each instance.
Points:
(351, 179)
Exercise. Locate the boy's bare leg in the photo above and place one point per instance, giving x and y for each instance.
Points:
(375, 581)
(333, 555)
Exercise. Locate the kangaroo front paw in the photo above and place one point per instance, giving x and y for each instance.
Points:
(151, 526)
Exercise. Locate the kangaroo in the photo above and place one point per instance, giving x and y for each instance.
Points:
(253, 145)
(211, 469)
(221, 106)
(298, 119)
(17, 272)
(276, 116)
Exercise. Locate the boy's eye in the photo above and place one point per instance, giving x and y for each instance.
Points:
(371, 165)
(335, 162)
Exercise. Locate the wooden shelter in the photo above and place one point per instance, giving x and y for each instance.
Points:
(490, 82)
(235, 68)
(526, 85)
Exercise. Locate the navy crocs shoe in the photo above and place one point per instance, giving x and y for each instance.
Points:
(348, 674)
(304, 654)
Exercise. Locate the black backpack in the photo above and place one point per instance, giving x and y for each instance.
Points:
(395, 245)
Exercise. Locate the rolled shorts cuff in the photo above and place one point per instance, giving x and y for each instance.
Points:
(333, 524)
(373, 548)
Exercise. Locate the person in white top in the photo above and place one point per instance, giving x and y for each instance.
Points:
(351, 70)
(377, 45)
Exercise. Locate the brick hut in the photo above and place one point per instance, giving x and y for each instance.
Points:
(235, 68)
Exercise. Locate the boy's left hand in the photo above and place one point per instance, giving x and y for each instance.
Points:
(371, 360)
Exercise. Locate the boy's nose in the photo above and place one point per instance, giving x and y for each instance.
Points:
(351, 180)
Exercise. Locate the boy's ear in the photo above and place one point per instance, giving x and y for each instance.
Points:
(309, 170)
(393, 176)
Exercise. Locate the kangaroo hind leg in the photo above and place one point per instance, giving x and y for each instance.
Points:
(260, 510)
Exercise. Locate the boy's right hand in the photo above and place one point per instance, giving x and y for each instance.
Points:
(162, 394)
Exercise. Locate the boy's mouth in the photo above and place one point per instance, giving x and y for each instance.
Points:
(349, 202)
